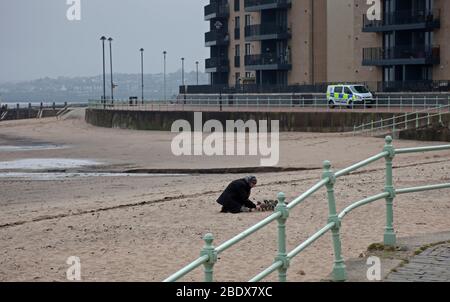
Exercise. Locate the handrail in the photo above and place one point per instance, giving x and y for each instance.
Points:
(247, 232)
(361, 164)
(361, 203)
(187, 269)
(405, 119)
(422, 149)
(281, 263)
(422, 189)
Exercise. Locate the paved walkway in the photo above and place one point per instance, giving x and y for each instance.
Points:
(433, 265)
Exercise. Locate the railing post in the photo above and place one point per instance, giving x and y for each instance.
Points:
(339, 272)
(417, 120)
(406, 121)
(389, 234)
(440, 116)
(354, 130)
(209, 250)
(428, 119)
(393, 125)
(282, 254)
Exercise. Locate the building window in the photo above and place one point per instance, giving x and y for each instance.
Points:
(248, 20)
(237, 28)
(248, 49)
(237, 50)
(237, 5)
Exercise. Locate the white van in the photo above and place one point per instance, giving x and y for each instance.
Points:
(349, 95)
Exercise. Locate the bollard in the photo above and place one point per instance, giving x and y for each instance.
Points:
(209, 250)
(389, 234)
(339, 272)
(282, 255)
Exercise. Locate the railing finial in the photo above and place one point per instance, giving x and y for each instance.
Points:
(388, 140)
(327, 165)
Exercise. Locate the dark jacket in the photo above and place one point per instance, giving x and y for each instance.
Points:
(235, 196)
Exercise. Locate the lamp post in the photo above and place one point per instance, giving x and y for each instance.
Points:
(182, 72)
(142, 73)
(103, 39)
(196, 63)
(165, 87)
(111, 64)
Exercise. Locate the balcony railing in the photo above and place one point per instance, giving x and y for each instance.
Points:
(269, 61)
(398, 20)
(255, 5)
(401, 55)
(267, 31)
(216, 65)
(217, 38)
(215, 10)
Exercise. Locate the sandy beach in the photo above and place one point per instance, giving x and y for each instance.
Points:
(140, 227)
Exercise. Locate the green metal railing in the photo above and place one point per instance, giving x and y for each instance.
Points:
(403, 121)
(209, 253)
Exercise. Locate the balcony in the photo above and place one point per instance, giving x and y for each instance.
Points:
(258, 5)
(270, 31)
(401, 55)
(215, 37)
(217, 65)
(404, 20)
(268, 61)
(217, 11)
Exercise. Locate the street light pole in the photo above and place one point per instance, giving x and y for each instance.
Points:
(165, 87)
(142, 73)
(196, 63)
(111, 63)
(182, 71)
(103, 38)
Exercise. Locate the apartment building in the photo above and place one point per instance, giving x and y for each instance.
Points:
(414, 42)
(295, 42)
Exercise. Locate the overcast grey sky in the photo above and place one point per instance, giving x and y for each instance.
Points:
(37, 40)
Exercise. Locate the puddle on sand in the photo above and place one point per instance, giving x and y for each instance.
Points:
(46, 164)
(63, 176)
(31, 148)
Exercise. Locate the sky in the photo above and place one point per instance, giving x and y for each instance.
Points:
(37, 40)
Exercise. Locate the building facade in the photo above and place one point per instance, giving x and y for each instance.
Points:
(296, 42)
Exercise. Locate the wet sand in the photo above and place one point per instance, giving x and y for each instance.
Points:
(127, 228)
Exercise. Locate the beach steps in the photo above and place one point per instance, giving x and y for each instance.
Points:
(62, 112)
(3, 116)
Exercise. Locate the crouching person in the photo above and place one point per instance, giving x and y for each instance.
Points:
(235, 198)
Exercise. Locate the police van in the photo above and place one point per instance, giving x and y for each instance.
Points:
(349, 95)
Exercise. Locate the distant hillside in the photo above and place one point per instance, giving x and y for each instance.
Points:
(81, 89)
